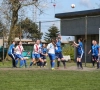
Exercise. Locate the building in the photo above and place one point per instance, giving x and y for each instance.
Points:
(83, 24)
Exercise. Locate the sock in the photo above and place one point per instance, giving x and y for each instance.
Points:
(21, 62)
(25, 62)
(97, 64)
(41, 64)
(58, 63)
(77, 64)
(80, 64)
(44, 63)
(64, 63)
(31, 63)
(16, 61)
(53, 64)
(93, 62)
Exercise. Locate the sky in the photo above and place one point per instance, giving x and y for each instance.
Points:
(62, 6)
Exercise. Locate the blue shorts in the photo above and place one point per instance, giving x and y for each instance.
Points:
(36, 56)
(59, 55)
(79, 55)
(18, 56)
(52, 56)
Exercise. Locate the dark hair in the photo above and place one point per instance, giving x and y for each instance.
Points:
(81, 39)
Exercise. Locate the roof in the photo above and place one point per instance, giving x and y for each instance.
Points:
(92, 12)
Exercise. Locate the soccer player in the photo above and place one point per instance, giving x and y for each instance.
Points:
(80, 52)
(58, 51)
(97, 53)
(92, 51)
(44, 54)
(51, 52)
(36, 53)
(19, 50)
(11, 53)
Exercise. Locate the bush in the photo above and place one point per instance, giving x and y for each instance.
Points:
(68, 50)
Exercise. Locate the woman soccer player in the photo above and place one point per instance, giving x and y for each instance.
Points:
(11, 53)
(58, 51)
(51, 52)
(80, 52)
(36, 53)
(44, 54)
(19, 49)
(92, 51)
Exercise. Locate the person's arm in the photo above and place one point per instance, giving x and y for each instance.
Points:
(76, 44)
(89, 52)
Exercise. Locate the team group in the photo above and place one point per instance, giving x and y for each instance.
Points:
(53, 50)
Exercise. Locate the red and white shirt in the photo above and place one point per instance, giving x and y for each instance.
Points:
(19, 49)
(37, 49)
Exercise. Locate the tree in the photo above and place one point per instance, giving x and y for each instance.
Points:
(10, 9)
(68, 50)
(52, 33)
(3, 30)
(28, 29)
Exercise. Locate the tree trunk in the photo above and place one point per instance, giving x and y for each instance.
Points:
(15, 8)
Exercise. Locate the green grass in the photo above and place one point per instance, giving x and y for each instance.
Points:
(48, 79)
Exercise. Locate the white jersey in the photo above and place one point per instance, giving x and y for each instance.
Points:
(37, 49)
(19, 49)
(51, 48)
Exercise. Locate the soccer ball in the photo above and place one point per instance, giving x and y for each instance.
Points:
(72, 5)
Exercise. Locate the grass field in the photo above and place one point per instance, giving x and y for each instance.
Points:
(46, 79)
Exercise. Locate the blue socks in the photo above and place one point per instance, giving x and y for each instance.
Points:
(21, 63)
(53, 64)
(25, 62)
(16, 61)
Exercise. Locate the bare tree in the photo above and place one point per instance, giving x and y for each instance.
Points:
(9, 10)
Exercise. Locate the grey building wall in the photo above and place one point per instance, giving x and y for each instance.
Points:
(76, 26)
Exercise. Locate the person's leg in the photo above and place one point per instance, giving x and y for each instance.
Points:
(93, 61)
(53, 61)
(13, 60)
(96, 59)
(33, 59)
(80, 63)
(77, 62)
(58, 63)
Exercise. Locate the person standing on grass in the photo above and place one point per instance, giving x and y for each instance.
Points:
(92, 51)
(51, 52)
(19, 49)
(97, 53)
(11, 53)
(36, 54)
(44, 54)
(58, 52)
(80, 52)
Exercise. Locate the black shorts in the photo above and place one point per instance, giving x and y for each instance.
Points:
(42, 56)
(59, 55)
(79, 55)
(94, 57)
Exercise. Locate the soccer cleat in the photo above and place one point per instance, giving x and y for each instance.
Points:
(52, 68)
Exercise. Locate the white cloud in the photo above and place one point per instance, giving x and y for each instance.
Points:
(86, 3)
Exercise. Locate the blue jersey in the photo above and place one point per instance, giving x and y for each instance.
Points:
(58, 44)
(80, 48)
(96, 50)
(44, 50)
(11, 49)
(93, 49)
